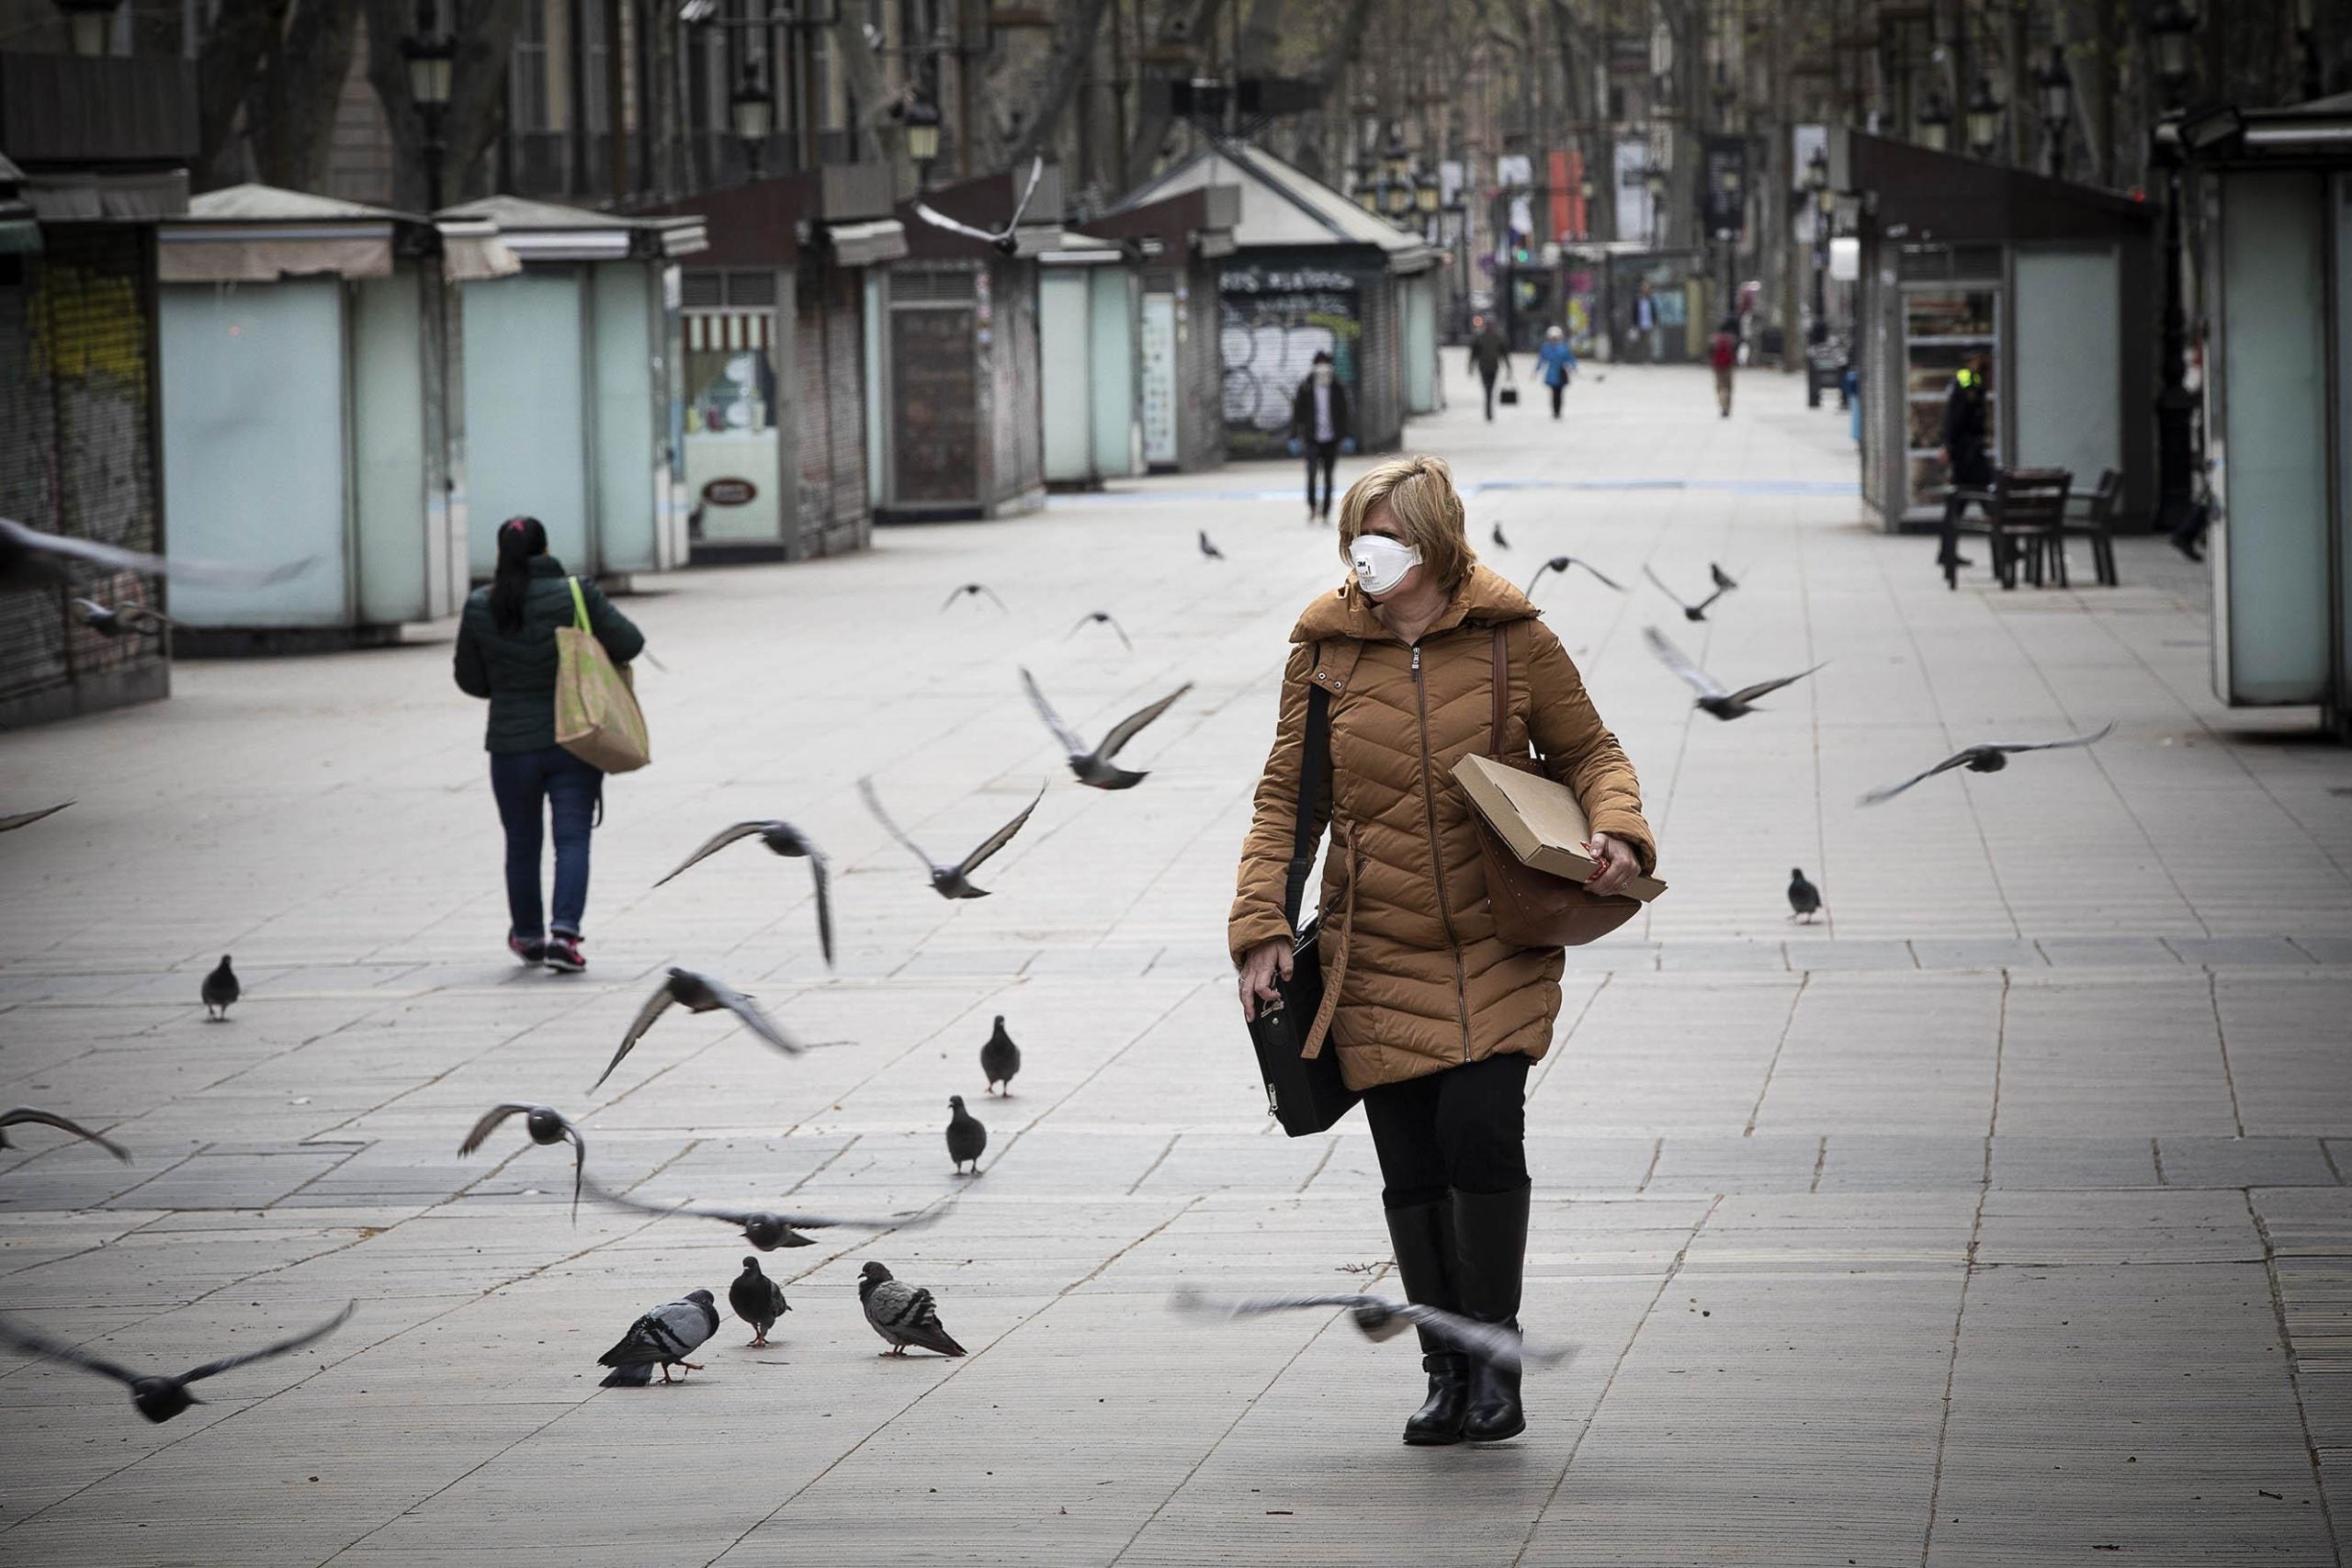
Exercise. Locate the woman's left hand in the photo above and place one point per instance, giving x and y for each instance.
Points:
(1618, 864)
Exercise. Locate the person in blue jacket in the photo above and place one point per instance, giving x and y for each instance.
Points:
(1556, 362)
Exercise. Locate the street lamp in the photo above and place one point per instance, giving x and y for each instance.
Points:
(1367, 185)
(1425, 193)
(2057, 88)
(922, 117)
(1935, 121)
(1399, 161)
(2168, 31)
(1984, 118)
(1583, 207)
(1824, 204)
(1397, 196)
(90, 24)
(431, 56)
(751, 111)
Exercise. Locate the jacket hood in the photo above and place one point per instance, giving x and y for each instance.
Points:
(1483, 598)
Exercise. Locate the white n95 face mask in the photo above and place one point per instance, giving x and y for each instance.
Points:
(1381, 562)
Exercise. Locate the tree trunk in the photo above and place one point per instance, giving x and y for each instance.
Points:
(1074, 28)
(875, 103)
(476, 113)
(1185, 22)
(225, 69)
(291, 107)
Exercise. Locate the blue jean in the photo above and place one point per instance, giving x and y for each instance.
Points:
(531, 785)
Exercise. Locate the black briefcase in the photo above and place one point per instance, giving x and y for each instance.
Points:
(1508, 397)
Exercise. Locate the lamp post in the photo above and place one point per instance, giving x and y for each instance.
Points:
(1584, 208)
(90, 24)
(431, 55)
(1367, 191)
(2057, 89)
(751, 114)
(1935, 121)
(921, 118)
(1654, 183)
(1825, 205)
(2168, 36)
(1983, 119)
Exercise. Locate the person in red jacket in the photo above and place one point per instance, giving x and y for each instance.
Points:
(1722, 352)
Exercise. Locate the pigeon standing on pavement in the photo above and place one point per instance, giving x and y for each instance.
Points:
(159, 1398)
(1723, 704)
(699, 993)
(999, 1059)
(950, 881)
(1208, 547)
(24, 1114)
(1560, 564)
(10, 823)
(1094, 767)
(546, 1126)
(663, 1337)
(783, 839)
(1501, 543)
(221, 988)
(1804, 899)
(902, 1314)
(1990, 757)
(758, 1301)
(967, 1139)
(975, 590)
(1723, 584)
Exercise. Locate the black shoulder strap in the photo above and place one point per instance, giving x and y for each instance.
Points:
(1314, 762)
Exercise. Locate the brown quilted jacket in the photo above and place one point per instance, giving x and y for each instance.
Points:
(1426, 985)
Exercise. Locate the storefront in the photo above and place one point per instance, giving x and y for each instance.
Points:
(1090, 331)
(1183, 237)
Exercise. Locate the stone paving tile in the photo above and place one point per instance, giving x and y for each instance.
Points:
(2244, 1162)
(1979, 953)
(2237, 952)
(2063, 1164)
(1804, 956)
(2105, 953)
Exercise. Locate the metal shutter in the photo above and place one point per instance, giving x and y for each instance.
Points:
(845, 387)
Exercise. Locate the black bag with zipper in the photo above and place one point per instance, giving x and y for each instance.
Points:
(1305, 1093)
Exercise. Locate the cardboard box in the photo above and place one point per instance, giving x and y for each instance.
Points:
(1540, 820)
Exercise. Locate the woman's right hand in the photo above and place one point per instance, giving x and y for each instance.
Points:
(1259, 966)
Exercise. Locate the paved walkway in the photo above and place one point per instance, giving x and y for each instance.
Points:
(1998, 1218)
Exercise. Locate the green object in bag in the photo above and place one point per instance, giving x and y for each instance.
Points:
(597, 716)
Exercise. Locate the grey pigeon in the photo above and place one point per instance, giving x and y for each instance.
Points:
(26, 818)
(764, 1230)
(999, 1059)
(30, 561)
(1560, 564)
(1208, 547)
(698, 993)
(221, 988)
(972, 589)
(757, 1299)
(1501, 543)
(1381, 1318)
(1723, 584)
(901, 1314)
(1005, 241)
(1723, 704)
(24, 1113)
(114, 620)
(966, 1138)
(663, 1337)
(783, 839)
(1094, 767)
(1100, 618)
(1990, 757)
(159, 1398)
(1804, 899)
(546, 1126)
(951, 881)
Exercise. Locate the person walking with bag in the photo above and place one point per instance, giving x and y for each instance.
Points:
(507, 652)
(1489, 357)
(1722, 353)
(1557, 362)
(1436, 1019)
(1321, 426)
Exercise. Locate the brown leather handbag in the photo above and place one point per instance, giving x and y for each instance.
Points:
(1534, 909)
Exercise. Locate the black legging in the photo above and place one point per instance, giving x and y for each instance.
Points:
(1325, 456)
(1558, 387)
(1464, 1127)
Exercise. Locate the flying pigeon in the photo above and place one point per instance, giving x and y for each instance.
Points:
(30, 560)
(220, 989)
(966, 1137)
(24, 1114)
(1723, 584)
(783, 839)
(765, 1231)
(951, 881)
(1208, 547)
(27, 819)
(1007, 239)
(546, 1126)
(1560, 564)
(663, 1337)
(973, 589)
(1723, 704)
(757, 1299)
(1100, 618)
(1501, 543)
(159, 1398)
(115, 620)
(1804, 899)
(901, 1314)
(999, 1059)
(1094, 767)
(1381, 1318)
(699, 993)
(1988, 758)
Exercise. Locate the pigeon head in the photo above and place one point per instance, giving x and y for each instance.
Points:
(768, 1232)
(954, 1102)
(751, 1266)
(676, 973)
(873, 1274)
(160, 1399)
(543, 1125)
(1377, 1321)
(1984, 762)
(1796, 873)
(1000, 1020)
(704, 1297)
(224, 960)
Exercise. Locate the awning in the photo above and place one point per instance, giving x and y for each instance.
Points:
(862, 244)
(19, 231)
(188, 252)
(107, 199)
(472, 250)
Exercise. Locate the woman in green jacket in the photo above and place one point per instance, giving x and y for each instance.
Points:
(506, 652)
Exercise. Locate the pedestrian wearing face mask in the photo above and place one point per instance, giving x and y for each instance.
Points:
(1438, 1018)
(1321, 424)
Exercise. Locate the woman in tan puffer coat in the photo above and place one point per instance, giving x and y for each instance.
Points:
(1437, 1019)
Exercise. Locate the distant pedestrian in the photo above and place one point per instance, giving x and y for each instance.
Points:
(1642, 328)
(1490, 356)
(1968, 463)
(1556, 361)
(1321, 423)
(1722, 352)
(506, 651)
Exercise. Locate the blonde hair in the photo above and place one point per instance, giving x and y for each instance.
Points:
(1422, 501)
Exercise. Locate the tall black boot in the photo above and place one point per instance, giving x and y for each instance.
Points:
(1423, 1236)
(1490, 1242)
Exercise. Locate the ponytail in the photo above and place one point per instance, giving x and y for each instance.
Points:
(519, 539)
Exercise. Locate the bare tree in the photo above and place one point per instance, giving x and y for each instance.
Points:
(225, 67)
(1185, 22)
(291, 103)
(1075, 24)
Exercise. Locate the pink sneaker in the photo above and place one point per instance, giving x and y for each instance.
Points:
(563, 953)
(530, 950)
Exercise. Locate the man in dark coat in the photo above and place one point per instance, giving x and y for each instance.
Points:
(1320, 421)
(1968, 463)
(1490, 356)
